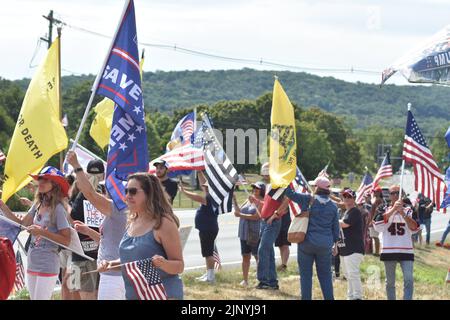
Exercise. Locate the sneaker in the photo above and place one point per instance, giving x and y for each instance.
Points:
(282, 268)
(263, 286)
(205, 279)
(202, 277)
(244, 283)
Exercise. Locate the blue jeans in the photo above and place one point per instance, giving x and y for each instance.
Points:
(408, 279)
(446, 232)
(427, 223)
(266, 272)
(307, 254)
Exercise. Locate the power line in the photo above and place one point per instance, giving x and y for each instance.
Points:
(261, 61)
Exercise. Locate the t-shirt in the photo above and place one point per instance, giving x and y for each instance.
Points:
(171, 187)
(206, 217)
(396, 237)
(353, 241)
(90, 247)
(43, 254)
(424, 213)
(246, 225)
(111, 233)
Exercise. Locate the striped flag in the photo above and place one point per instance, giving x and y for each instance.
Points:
(19, 283)
(428, 179)
(366, 185)
(2, 156)
(216, 257)
(181, 159)
(385, 170)
(220, 173)
(299, 185)
(146, 280)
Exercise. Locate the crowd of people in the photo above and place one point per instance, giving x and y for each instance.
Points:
(340, 232)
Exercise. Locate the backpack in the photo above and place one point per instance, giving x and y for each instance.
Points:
(7, 268)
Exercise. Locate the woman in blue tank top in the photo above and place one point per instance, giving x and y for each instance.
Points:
(152, 232)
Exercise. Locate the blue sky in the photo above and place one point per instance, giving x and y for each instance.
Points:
(366, 35)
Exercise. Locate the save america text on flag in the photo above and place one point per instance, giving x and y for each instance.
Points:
(121, 82)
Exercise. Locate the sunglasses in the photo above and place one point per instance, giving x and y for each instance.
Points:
(347, 196)
(131, 191)
(393, 193)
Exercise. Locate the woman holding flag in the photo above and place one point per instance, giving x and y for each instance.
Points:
(46, 218)
(152, 233)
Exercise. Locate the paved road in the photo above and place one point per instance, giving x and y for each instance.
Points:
(229, 246)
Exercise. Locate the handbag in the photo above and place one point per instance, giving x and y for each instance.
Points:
(299, 226)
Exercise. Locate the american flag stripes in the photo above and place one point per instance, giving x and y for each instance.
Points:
(385, 170)
(146, 280)
(216, 257)
(366, 185)
(182, 158)
(19, 283)
(428, 179)
(2, 156)
(299, 185)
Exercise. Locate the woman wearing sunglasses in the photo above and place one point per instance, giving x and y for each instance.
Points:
(152, 232)
(47, 218)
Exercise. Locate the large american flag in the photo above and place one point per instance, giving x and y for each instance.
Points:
(428, 179)
(183, 158)
(220, 173)
(385, 170)
(146, 280)
(366, 185)
(19, 283)
(299, 185)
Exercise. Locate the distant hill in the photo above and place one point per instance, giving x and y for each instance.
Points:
(361, 104)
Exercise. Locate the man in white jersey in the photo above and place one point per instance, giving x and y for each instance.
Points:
(396, 231)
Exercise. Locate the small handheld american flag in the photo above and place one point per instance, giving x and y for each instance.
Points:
(216, 257)
(146, 280)
(19, 283)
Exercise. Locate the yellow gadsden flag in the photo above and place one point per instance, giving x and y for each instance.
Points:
(39, 133)
(283, 159)
(101, 125)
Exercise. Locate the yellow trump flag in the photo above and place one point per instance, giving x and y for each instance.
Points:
(283, 159)
(38, 134)
(101, 125)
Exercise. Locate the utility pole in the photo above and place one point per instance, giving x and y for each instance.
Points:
(49, 40)
(51, 21)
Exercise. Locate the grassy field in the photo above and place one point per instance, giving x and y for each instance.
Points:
(430, 270)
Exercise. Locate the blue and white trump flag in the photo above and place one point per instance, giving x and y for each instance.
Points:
(121, 82)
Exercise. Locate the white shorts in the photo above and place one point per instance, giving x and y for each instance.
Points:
(111, 287)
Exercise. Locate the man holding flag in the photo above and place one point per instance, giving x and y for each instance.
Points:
(282, 170)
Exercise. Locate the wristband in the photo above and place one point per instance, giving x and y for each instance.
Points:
(78, 169)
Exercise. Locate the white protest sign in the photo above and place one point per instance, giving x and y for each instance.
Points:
(92, 217)
(184, 235)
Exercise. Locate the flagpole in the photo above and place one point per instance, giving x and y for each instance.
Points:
(194, 184)
(61, 154)
(97, 78)
(403, 166)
